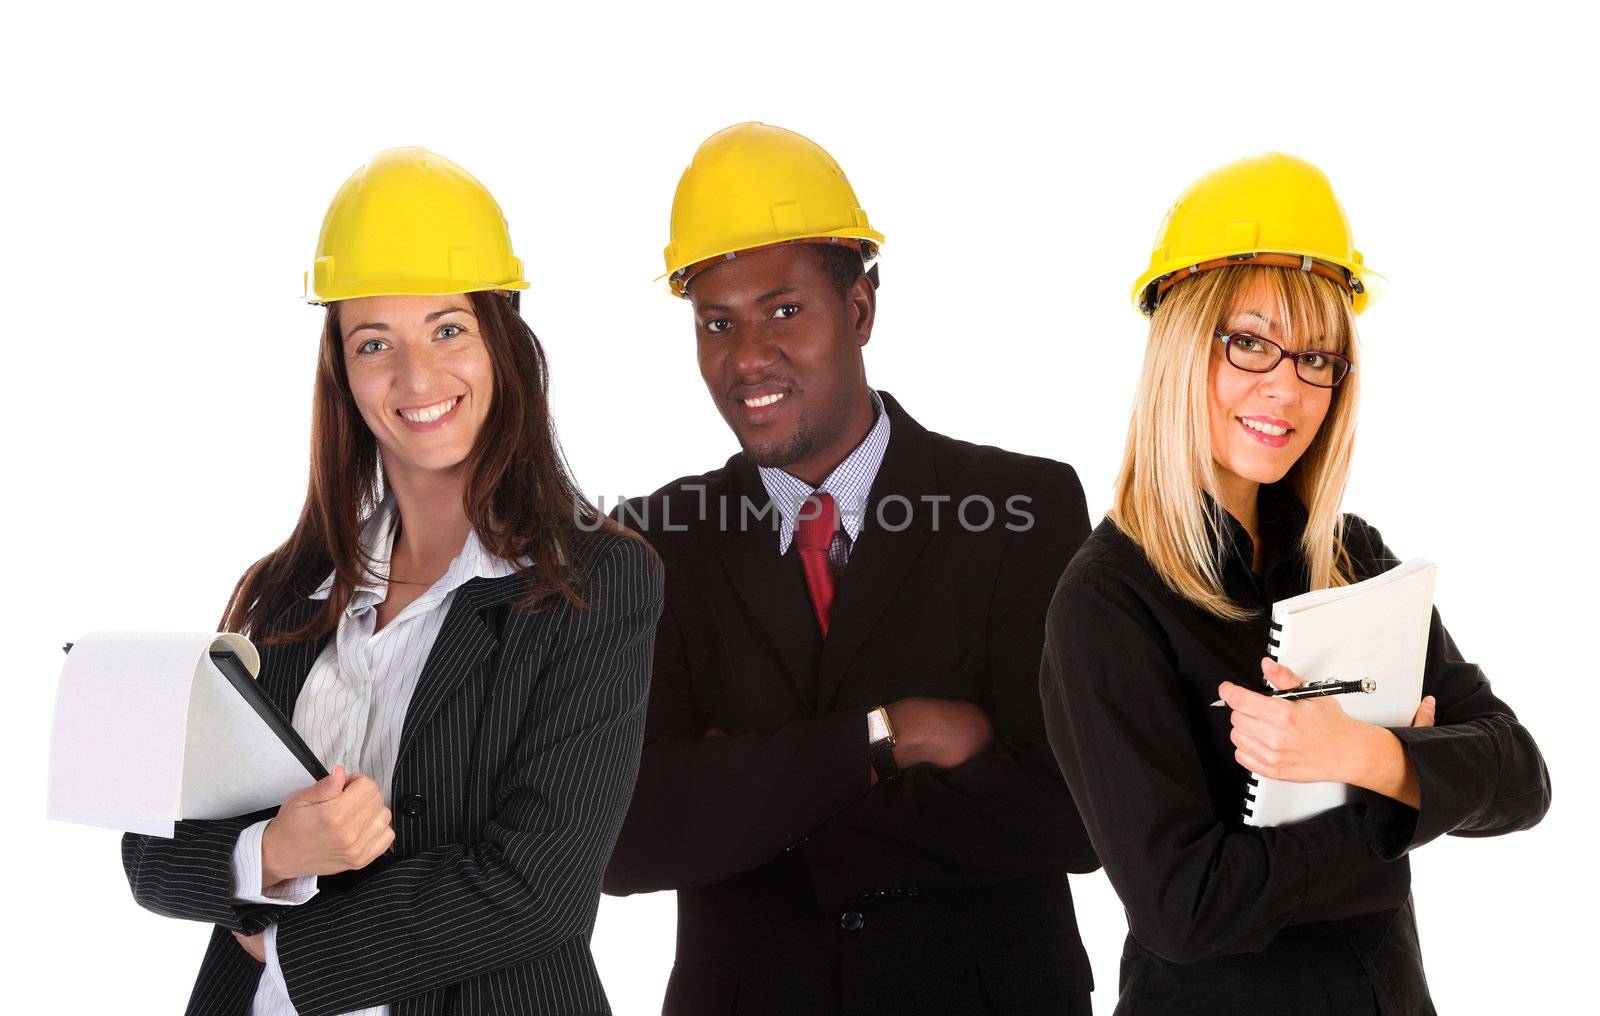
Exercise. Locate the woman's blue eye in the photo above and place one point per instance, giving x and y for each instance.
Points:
(458, 330)
(365, 347)
(788, 310)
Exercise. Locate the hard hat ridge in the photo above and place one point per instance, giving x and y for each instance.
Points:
(1271, 209)
(411, 222)
(754, 185)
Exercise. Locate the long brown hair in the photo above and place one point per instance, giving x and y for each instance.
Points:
(520, 498)
(1167, 466)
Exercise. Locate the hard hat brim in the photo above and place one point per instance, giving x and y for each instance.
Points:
(847, 233)
(1373, 283)
(409, 287)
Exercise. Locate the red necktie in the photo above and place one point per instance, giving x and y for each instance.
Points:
(818, 521)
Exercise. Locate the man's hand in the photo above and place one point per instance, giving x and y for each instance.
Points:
(255, 945)
(337, 824)
(944, 732)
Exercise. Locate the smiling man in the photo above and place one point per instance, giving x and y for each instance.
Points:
(845, 774)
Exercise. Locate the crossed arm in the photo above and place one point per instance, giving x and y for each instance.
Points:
(708, 808)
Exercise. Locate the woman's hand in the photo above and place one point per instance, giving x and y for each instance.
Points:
(339, 823)
(1314, 739)
(1302, 742)
(1424, 715)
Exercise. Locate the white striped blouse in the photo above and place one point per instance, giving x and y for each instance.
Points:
(352, 707)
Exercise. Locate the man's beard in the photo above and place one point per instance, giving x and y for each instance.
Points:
(778, 454)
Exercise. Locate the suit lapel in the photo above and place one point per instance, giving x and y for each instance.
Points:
(463, 643)
(881, 557)
(771, 586)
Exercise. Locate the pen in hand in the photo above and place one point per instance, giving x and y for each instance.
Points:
(1317, 689)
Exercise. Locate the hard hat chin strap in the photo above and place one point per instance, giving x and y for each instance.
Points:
(1342, 277)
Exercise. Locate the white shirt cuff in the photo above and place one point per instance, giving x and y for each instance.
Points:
(247, 887)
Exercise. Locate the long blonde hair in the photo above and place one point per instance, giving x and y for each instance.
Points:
(1167, 468)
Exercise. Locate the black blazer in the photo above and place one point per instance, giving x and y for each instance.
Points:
(1309, 918)
(801, 890)
(517, 755)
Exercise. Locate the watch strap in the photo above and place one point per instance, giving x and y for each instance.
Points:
(881, 754)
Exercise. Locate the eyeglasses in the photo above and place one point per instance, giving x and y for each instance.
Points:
(1259, 356)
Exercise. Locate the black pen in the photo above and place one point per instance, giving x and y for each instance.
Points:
(1317, 689)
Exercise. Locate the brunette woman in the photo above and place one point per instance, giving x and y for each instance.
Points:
(461, 638)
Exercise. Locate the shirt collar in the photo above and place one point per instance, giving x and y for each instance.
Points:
(377, 540)
(850, 482)
(1280, 519)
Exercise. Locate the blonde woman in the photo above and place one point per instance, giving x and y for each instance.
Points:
(1227, 500)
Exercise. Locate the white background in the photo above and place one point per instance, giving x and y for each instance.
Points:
(167, 172)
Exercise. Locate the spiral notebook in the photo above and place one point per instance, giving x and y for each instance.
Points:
(1373, 629)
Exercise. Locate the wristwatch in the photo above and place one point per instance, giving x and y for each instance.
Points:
(880, 744)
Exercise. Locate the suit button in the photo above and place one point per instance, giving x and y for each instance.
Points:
(852, 921)
(413, 805)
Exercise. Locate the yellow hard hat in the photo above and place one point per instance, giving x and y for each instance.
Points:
(753, 184)
(1269, 209)
(411, 223)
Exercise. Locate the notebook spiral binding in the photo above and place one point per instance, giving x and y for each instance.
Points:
(1274, 642)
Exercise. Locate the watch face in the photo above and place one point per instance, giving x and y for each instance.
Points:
(877, 725)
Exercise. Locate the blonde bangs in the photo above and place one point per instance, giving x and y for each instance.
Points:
(1316, 312)
(1167, 465)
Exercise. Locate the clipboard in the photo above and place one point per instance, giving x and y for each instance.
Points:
(155, 728)
(249, 689)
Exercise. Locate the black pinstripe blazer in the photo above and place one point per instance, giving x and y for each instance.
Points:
(517, 758)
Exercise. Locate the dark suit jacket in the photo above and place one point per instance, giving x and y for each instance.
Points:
(517, 756)
(801, 889)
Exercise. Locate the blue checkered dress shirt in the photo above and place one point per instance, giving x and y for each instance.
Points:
(850, 483)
